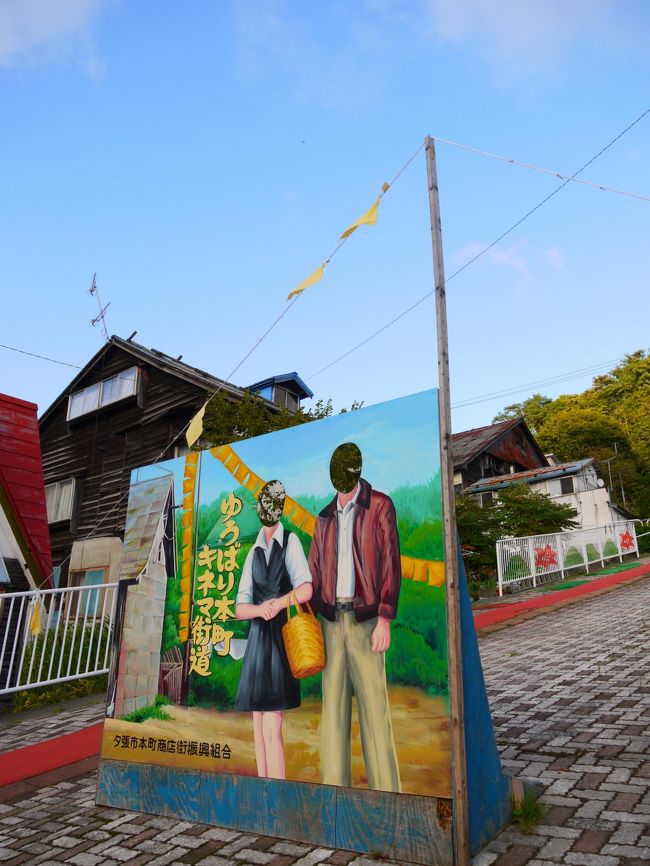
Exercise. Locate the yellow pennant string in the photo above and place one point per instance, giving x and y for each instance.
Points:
(195, 429)
(314, 277)
(368, 219)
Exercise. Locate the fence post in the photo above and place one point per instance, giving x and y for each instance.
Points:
(584, 552)
(602, 550)
(531, 554)
(617, 536)
(558, 551)
(499, 568)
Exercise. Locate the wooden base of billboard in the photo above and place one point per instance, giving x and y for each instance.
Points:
(400, 826)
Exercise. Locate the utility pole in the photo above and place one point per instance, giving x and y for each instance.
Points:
(609, 466)
(456, 710)
(101, 317)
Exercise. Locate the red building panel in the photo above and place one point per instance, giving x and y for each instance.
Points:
(21, 479)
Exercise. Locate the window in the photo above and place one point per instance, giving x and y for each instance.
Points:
(486, 497)
(4, 574)
(282, 397)
(87, 603)
(59, 498)
(118, 387)
(566, 485)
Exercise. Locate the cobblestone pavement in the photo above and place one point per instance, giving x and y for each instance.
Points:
(42, 725)
(570, 693)
(570, 698)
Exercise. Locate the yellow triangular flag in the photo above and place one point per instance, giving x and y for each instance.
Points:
(369, 218)
(316, 277)
(35, 620)
(195, 429)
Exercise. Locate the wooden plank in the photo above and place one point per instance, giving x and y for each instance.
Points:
(456, 712)
(407, 827)
(401, 826)
(292, 810)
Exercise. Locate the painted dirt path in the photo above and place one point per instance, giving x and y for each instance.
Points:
(570, 692)
(421, 725)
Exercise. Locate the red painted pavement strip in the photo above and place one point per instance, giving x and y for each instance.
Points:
(50, 754)
(61, 751)
(502, 612)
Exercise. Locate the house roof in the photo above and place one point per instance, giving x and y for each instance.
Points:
(147, 500)
(469, 444)
(173, 366)
(22, 490)
(559, 470)
(293, 378)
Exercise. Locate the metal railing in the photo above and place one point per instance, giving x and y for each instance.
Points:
(528, 561)
(55, 635)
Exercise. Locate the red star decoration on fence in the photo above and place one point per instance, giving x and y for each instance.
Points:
(545, 557)
(627, 542)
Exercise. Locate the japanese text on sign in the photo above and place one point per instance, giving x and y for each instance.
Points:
(215, 580)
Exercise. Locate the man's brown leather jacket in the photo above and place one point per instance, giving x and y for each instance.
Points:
(375, 551)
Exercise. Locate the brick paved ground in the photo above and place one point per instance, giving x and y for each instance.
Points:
(570, 697)
(570, 693)
(42, 724)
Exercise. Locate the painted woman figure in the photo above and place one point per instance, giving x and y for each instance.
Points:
(274, 568)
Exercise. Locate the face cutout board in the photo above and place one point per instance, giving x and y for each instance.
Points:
(228, 550)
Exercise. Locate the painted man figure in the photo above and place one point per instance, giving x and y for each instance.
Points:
(355, 565)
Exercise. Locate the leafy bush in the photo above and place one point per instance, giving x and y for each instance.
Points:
(593, 553)
(412, 662)
(67, 648)
(152, 711)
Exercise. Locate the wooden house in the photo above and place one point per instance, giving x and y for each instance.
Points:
(495, 450)
(128, 407)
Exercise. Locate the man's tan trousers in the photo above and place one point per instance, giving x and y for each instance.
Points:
(351, 664)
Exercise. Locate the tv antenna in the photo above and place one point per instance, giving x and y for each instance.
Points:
(101, 317)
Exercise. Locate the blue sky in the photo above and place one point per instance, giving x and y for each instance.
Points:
(203, 158)
(398, 442)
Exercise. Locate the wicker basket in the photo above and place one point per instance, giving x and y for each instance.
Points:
(303, 641)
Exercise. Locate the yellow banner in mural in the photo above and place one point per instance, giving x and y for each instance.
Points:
(418, 570)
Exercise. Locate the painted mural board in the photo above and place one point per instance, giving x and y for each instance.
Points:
(356, 534)
(206, 721)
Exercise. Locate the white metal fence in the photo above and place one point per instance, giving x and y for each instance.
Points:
(55, 635)
(528, 561)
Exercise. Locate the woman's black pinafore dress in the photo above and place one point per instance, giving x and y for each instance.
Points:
(266, 682)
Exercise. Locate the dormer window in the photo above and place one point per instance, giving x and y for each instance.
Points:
(118, 387)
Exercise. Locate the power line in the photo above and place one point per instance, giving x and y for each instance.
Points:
(42, 357)
(276, 321)
(538, 168)
(484, 250)
(554, 380)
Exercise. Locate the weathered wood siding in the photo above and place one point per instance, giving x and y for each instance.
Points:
(100, 449)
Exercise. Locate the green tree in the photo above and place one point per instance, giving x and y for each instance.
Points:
(608, 421)
(227, 420)
(534, 411)
(517, 511)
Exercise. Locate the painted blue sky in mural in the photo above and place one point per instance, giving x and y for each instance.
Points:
(398, 440)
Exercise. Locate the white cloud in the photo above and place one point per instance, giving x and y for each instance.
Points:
(522, 258)
(33, 32)
(285, 45)
(518, 39)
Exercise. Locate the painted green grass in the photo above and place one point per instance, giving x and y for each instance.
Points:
(152, 711)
